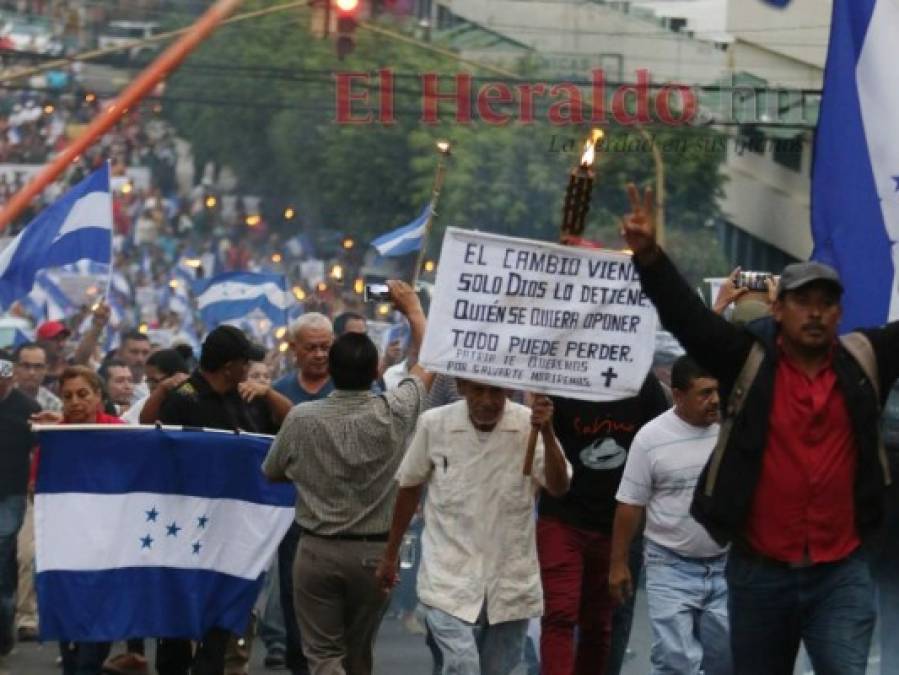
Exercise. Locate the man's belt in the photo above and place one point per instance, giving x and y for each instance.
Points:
(346, 536)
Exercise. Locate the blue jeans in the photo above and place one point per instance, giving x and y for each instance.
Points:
(687, 600)
(478, 648)
(12, 513)
(829, 607)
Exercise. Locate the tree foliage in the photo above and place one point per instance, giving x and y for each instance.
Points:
(259, 96)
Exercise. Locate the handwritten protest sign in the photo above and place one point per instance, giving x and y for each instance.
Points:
(540, 317)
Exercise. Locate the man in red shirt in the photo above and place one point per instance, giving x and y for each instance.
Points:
(796, 482)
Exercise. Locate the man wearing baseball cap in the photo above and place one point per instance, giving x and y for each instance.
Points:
(52, 330)
(797, 480)
(218, 396)
(52, 336)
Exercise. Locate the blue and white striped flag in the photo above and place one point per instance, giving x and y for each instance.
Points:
(406, 239)
(77, 226)
(855, 179)
(235, 295)
(121, 285)
(47, 300)
(168, 539)
(20, 338)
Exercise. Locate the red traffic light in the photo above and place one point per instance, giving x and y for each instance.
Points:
(347, 20)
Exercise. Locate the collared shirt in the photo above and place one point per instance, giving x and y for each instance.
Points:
(804, 505)
(196, 404)
(479, 541)
(342, 452)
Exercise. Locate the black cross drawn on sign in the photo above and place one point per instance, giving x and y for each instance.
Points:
(609, 375)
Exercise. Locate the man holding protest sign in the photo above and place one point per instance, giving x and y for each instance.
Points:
(799, 486)
(572, 323)
(479, 560)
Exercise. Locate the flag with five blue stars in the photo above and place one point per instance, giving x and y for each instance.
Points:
(152, 531)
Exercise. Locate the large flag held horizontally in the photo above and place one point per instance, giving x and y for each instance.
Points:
(169, 539)
(405, 239)
(78, 226)
(235, 294)
(855, 180)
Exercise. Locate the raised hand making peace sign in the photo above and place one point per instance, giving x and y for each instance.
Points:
(639, 227)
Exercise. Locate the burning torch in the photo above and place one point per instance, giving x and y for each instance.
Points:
(578, 192)
(574, 218)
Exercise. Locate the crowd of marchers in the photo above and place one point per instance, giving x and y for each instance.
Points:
(747, 484)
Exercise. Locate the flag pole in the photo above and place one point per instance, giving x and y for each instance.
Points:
(574, 218)
(445, 149)
(170, 59)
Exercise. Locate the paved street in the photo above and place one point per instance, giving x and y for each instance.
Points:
(398, 653)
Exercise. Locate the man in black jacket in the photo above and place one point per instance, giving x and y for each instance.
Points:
(218, 396)
(798, 486)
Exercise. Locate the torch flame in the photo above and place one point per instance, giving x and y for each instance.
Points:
(589, 155)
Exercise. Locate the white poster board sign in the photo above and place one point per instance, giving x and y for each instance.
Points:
(539, 317)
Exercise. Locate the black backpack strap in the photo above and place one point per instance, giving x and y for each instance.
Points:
(735, 403)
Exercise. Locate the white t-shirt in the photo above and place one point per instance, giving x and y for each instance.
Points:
(132, 415)
(663, 467)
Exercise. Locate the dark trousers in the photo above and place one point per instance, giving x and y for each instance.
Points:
(135, 646)
(885, 575)
(83, 658)
(287, 553)
(828, 607)
(177, 657)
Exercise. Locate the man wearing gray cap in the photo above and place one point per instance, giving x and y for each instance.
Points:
(796, 481)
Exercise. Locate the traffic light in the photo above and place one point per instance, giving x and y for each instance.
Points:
(347, 20)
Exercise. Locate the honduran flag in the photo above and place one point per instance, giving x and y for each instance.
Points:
(78, 226)
(855, 179)
(234, 295)
(144, 531)
(406, 239)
